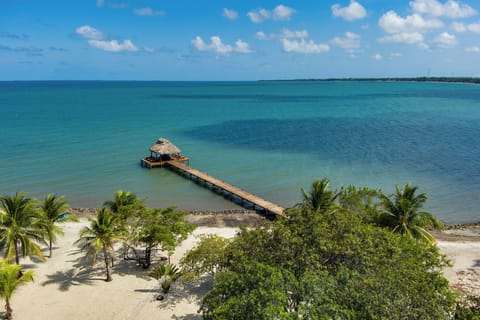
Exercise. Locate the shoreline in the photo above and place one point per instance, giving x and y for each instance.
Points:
(84, 211)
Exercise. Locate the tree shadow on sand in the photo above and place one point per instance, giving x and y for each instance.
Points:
(69, 278)
(181, 292)
(130, 268)
(81, 273)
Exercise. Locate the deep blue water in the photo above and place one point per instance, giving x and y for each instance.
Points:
(85, 139)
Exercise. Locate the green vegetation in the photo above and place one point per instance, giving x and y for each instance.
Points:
(320, 199)
(11, 277)
(21, 227)
(53, 209)
(403, 215)
(468, 308)
(141, 230)
(207, 257)
(25, 224)
(124, 203)
(340, 264)
(100, 236)
(161, 228)
(414, 79)
(166, 274)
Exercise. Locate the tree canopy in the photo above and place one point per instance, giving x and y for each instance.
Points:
(21, 227)
(334, 265)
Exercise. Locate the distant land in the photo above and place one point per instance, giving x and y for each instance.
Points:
(417, 79)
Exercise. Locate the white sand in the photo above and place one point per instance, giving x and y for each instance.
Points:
(465, 272)
(66, 287)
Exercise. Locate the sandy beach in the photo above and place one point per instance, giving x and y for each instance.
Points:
(67, 287)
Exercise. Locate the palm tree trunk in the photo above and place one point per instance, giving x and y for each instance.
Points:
(17, 259)
(8, 309)
(50, 246)
(109, 277)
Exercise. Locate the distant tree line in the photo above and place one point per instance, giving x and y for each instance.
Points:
(392, 79)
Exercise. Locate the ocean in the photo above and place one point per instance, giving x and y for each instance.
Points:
(84, 140)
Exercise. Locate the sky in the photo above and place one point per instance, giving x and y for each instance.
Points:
(194, 40)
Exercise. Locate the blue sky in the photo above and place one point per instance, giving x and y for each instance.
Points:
(237, 40)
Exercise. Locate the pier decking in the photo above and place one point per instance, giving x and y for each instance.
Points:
(151, 162)
(243, 195)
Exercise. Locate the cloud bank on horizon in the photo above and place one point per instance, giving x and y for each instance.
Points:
(110, 39)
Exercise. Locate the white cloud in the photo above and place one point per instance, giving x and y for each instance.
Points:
(423, 46)
(354, 11)
(149, 50)
(451, 8)
(474, 27)
(113, 45)
(149, 12)
(391, 22)
(461, 27)
(259, 15)
(230, 14)
(377, 56)
(404, 37)
(216, 45)
(100, 3)
(242, 47)
(473, 49)
(350, 43)
(282, 12)
(395, 55)
(97, 39)
(303, 47)
(445, 40)
(90, 33)
(261, 35)
(286, 33)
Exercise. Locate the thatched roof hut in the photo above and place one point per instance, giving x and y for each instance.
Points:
(164, 146)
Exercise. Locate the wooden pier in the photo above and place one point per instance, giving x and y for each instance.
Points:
(214, 183)
(165, 154)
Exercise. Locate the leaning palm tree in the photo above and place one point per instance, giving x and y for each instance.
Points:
(319, 199)
(53, 209)
(20, 227)
(11, 277)
(100, 236)
(403, 214)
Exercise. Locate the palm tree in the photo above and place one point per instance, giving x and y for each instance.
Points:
(53, 208)
(403, 214)
(20, 227)
(121, 199)
(10, 278)
(166, 274)
(100, 236)
(320, 198)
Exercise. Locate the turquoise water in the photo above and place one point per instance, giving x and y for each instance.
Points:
(85, 139)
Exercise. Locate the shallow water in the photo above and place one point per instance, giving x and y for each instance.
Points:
(85, 139)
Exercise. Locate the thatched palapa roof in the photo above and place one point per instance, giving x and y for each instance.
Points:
(163, 146)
